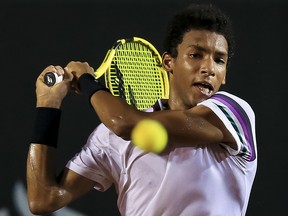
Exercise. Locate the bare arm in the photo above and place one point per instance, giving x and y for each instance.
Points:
(198, 125)
(46, 191)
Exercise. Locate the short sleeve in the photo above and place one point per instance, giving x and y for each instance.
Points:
(239, 118)
(93, 161)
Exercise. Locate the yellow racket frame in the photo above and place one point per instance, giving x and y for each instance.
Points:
(106, 66)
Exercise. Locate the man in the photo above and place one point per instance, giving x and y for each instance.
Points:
(210, 162)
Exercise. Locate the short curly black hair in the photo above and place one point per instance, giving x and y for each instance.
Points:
(198, 17)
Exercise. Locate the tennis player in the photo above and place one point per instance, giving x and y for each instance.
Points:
(209, 164)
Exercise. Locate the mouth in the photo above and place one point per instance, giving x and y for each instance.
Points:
(205, 88)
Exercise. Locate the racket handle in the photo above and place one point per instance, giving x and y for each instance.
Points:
(51, 78)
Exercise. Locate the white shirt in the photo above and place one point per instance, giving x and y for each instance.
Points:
(191, 181)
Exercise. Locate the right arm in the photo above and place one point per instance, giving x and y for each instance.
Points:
(46, 191)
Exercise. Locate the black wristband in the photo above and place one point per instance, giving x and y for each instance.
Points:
(89, 85)
(46, 126)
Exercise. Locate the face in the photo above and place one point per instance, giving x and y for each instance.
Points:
(199, 69)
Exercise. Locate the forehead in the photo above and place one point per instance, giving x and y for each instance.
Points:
(205, 39)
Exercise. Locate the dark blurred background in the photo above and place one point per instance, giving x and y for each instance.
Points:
(35, 34)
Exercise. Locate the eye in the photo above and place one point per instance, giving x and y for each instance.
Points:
(220, 61)
(194, 55)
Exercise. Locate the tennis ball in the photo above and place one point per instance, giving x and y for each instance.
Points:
(150, 135)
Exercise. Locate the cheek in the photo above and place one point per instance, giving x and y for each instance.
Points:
(183, 68)
(182, 82)
(183, 72)
(221, 70)
(224, 80)
(221, 78)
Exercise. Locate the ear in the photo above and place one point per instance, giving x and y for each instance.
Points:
(167, 62)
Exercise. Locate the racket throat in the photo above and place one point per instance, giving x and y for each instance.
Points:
(121, 88)
(131, 97)
(120, 82)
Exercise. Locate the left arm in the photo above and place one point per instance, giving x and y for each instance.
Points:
(198, 125)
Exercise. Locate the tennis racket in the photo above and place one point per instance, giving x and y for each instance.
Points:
(133, 71)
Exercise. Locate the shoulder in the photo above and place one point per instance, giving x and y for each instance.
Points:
(230, 102)
(238, 117)
(101, 132)
(106, 140)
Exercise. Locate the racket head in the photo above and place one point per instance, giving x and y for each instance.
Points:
(133, 71)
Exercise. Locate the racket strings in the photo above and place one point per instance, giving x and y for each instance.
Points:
(135, 71)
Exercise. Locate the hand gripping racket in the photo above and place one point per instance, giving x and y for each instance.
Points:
(133, 71)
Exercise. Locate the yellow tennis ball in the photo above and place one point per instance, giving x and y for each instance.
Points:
(150, 135)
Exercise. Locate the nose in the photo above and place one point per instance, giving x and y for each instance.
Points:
(208, 67)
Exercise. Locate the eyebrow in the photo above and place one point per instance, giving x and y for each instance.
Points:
(203, 49)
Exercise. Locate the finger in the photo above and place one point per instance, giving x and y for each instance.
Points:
(68, 69)
(68, 75)
(59, 70)
(70, 65)
(50, 68)
(89, 69)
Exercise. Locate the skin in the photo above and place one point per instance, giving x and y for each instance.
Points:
(201, 61)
